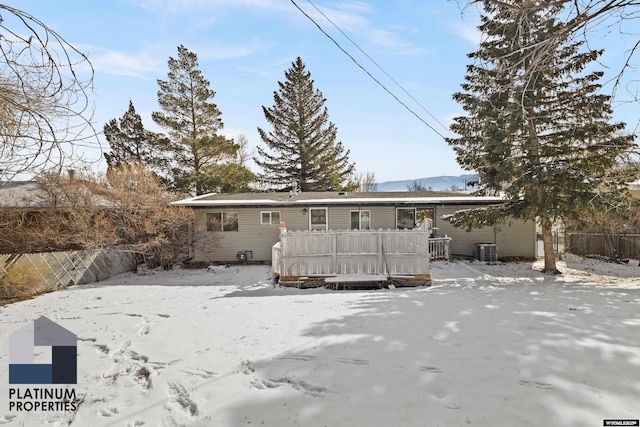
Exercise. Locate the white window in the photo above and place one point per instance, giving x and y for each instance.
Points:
(360, 220)
(269, 217)
(318, 219)
(222, 221)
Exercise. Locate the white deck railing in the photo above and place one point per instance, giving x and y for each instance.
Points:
(439, 247)
(388, 252)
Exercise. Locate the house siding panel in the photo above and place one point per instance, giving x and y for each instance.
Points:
(515, 238)
(252, 236)
(223, 246)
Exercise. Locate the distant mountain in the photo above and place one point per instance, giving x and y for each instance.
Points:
(437, 183)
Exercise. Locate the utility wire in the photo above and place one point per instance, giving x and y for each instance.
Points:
(377, 65)
(365, 70)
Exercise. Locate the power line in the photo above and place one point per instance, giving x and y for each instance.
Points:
(365, 70)
(377, 65)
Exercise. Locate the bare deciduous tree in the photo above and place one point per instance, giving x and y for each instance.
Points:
(416, 186)
(45, 109)
(143, 217)
(129, 208)
(364, 182)
(244, 155)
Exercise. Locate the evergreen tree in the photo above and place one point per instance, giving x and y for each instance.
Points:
(201, 157)
(536, 128)
(303, 142)
(131, 144)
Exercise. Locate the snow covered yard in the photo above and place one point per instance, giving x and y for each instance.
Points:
(486, 345)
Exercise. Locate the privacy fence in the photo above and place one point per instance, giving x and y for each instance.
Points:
(612, 246)
(61, 269)
(381, 252)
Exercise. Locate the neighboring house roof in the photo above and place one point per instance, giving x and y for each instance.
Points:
(32, 195)
(22, 194)
(332, 198)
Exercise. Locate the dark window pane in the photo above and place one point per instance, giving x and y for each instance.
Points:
(355, 220)
(214, 221)
(318, 219)
(266, 218)
(230, 221)
(405, 218)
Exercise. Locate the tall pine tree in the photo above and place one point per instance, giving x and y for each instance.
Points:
(302, 144)
(203, 159)
(535, 127)
(131, 143)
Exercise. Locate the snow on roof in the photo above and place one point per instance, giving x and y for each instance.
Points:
(32, 195)
(333, 198)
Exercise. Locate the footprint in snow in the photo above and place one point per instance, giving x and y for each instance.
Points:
(6, 419)
(108, 412)
(431, 369)
(144, 329)
(102, 348)
(353, 361)
(202, 373)
(180, 396)
(301, 357)
(264, 384)
(314, 390)
(545, 386)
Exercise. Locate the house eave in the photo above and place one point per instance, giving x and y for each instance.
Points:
(202, 202)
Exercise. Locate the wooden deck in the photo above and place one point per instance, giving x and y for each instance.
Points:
(355, 281)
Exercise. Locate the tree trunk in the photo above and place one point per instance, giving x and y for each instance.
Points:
(549, 254)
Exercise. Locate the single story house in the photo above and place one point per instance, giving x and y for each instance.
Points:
(227, 225)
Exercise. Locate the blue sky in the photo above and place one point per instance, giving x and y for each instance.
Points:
(245, 46)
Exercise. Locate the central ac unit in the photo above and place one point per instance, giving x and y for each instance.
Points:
(487, 252)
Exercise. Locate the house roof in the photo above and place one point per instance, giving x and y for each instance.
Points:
(24, 194)
(33, 195)
(284, 199)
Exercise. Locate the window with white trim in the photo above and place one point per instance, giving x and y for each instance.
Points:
(360, 220)
(318, 219)
(222, 221)
(269, 217)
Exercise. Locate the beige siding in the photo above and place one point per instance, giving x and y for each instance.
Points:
(514, 238)
(252, 236)
(223, 246)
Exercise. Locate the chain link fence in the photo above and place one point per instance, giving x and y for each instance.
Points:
(54, 270)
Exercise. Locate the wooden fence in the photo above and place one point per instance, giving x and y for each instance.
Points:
(372, 252)
(614, 246)
(60, 269)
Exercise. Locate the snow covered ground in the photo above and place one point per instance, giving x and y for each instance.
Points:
(486, 345)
